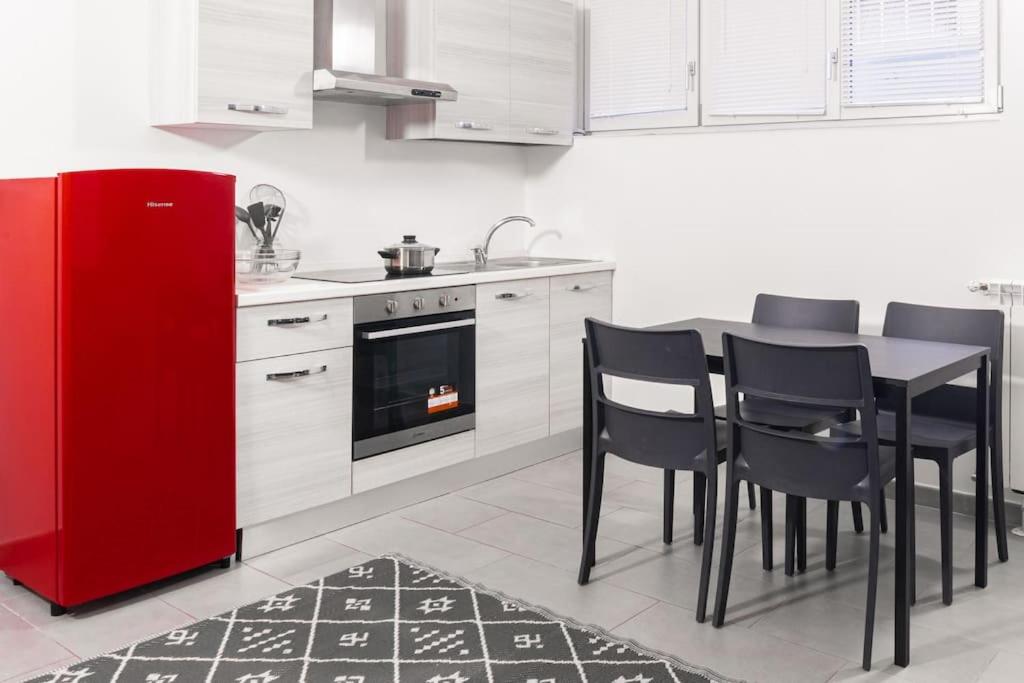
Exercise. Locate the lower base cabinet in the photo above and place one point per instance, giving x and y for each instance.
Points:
(294, 434)
(388, 468)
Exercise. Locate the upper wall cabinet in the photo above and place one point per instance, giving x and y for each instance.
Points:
(512, 61)
(232, 64)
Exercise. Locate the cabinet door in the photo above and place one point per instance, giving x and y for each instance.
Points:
(573, 299)
(543, 88)
(255, 63)
(294, 434)
(472, 53)
(512, 364)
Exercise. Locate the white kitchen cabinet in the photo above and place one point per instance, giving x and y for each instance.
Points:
(543, 72)
(232, 63)
(574, 298)
(512, 377)
(513, 63)
(294, 417)
(388, 468)
(290, 328)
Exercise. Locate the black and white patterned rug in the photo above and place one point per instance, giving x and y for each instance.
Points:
(390, 619)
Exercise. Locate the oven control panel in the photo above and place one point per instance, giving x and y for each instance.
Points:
(398, 305)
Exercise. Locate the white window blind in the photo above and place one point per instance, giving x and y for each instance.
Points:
(913, 52)
(767, 58)
(637, 57)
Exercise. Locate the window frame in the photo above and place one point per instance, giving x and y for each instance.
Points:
(833, 30)
(654, 120)
(695, 120)
(990, 105)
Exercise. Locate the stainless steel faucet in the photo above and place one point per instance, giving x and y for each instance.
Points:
(480, 253)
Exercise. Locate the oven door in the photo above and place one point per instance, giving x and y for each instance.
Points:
(414, 381)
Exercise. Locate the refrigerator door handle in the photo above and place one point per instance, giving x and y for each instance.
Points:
(298, 374)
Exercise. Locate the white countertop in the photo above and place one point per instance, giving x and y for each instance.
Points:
(312, 290)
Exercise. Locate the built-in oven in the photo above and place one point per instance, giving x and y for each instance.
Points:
(414, 368)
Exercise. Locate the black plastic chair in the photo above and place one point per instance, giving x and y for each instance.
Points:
(853, 468)
(812, 314)
(670, 441)
(942, 426)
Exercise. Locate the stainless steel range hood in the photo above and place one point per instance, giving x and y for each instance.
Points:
(350, 56)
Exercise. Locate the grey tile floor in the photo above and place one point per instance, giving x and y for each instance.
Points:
(519, 534)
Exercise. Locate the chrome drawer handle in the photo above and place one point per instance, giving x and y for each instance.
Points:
(471, 125)
(581, 288)
(298, 374)
(512, 296)
(258, 109)
(543, 131)
(292, 322)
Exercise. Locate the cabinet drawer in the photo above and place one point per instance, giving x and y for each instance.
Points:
(389, 468)
(286, 329)
(573, 299)
(512, 364)
(294, 434)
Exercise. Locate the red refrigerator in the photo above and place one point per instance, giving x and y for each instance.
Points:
(117, 410)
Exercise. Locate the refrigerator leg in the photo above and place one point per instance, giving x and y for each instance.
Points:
(225, 563)
(238, 545)
(16, 582)
(56, 610)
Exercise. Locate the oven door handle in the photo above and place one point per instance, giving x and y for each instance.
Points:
(417, 329)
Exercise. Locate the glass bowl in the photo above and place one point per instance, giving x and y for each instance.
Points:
(266, 266)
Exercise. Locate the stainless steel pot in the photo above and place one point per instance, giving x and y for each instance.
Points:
(409, 257)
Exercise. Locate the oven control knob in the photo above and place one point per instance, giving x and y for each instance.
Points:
(444, 301)
(418, 303)
(391, 306)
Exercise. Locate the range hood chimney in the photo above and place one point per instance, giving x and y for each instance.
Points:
(350, 58)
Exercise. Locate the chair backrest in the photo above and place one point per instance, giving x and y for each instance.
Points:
(975, 327)
(794, 462)
(809, 314)
(672, 440)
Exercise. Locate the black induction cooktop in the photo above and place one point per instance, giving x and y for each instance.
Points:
(356, 275)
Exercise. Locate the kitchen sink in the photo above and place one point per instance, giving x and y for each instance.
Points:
(512, 263)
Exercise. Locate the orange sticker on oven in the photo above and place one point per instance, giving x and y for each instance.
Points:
(445, 399)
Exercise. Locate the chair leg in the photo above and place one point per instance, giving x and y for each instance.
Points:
(883, 514)
(732, 495)
(869, 616)
(709, 547)
(700, 486)
(669, 506)
(999, 497)
(912, 541)
(858, 517)
(831, 535)
(593, 514)
(790, 535)
(801, 535)
(946, 528)
(767, 537)
(751, 496)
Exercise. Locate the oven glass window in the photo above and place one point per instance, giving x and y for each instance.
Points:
(411, 380)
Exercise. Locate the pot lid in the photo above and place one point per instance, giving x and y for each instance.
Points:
(409, 243)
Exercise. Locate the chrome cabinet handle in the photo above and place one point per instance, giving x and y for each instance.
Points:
(293, 322)
(298, 374)
(471, 125)
(543, 131)
(512, 296)
(691, 76)
(581, 288)
(258, 109)
(416, 329)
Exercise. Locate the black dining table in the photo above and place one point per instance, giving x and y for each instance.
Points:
(901, 369)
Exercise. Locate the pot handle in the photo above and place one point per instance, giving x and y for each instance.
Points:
(437, 250)
(384, 253)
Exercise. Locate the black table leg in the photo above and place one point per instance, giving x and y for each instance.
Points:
(904, 517)
(981, 472)
(588, 446)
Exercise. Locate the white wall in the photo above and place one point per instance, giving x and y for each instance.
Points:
(74, 80)
(699, 223)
